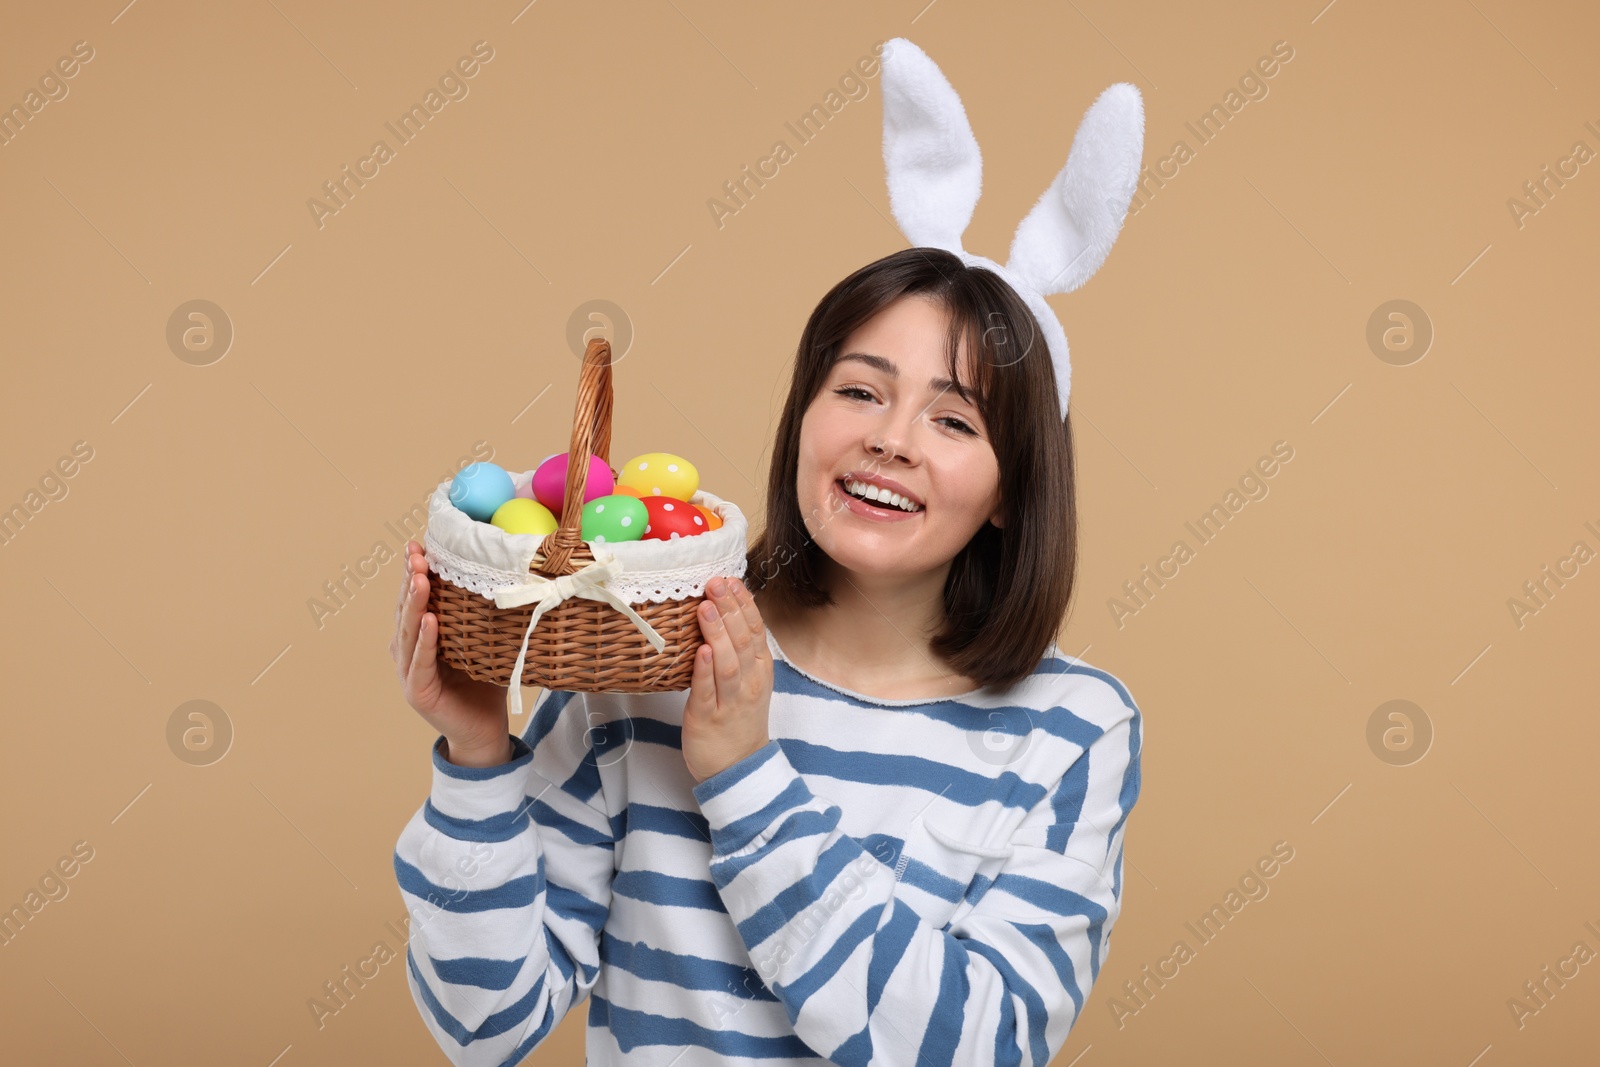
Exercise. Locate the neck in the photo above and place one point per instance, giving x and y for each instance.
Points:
(876, 632)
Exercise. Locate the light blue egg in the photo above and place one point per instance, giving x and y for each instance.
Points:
(480, 488)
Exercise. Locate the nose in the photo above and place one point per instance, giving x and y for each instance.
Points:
(895, 437)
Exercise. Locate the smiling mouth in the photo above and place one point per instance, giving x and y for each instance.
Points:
(886, 505)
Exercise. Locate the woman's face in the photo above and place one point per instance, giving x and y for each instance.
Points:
(883, 391)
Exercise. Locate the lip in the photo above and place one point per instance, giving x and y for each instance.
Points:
(868, 512)
(885, 483)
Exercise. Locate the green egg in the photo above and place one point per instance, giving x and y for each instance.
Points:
(614, 518)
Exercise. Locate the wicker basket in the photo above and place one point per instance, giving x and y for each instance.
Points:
(580, 640)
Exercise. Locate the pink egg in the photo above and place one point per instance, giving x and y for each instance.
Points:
(527, 492)
(550, 482)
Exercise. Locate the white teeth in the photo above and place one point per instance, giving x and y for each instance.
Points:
(882, 496)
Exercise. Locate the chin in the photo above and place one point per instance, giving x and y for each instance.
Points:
(874, 566)
(881, 555)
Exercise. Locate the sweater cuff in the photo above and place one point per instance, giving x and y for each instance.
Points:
(742, 800)
(472, 794)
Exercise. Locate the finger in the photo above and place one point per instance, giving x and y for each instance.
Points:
(405, 650)
(424, 661)
(752, 617)
(702, 686)
(407, 569)
(733, 618)
(737, 626)
(724, 660)
(410, 621)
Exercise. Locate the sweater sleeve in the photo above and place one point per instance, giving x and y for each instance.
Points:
(506, 872)
(863, 978)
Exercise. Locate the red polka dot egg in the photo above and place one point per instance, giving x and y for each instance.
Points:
(669, 517)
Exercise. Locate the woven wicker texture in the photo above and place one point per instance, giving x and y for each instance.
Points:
(580, 644)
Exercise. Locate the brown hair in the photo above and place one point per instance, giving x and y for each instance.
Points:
(1009, 589)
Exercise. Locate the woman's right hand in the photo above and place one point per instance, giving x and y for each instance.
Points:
(470, 714)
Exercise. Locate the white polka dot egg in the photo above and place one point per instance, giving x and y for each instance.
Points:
(614, 518)
(660, 474)
(671, 518)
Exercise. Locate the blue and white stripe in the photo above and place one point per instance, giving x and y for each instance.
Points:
(887, 882)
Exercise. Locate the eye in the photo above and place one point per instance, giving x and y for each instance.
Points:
(960, 425)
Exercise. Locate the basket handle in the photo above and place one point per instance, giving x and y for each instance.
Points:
(591, 435)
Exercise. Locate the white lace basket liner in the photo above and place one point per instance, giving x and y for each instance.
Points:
(496, 565)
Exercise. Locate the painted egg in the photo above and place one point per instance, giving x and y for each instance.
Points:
(527, 490)
(627, 490)
(614, 518)
(713, 520)
(519, 515)
(671, 517)
(660, 474)
(550, 481)
(480, 488)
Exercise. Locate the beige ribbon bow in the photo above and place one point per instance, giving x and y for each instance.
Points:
(546, 593)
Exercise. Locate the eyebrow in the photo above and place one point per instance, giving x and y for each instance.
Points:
(888, 367)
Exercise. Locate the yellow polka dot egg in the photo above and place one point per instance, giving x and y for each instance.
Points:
(660, 474)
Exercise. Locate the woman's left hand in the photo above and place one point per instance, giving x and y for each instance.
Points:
(725, 718)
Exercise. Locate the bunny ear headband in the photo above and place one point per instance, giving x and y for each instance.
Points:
(934, 171)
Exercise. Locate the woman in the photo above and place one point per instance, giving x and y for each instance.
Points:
(885, 823)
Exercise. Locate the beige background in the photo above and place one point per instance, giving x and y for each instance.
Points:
(371, 353)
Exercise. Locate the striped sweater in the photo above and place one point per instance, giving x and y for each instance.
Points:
(895, 882)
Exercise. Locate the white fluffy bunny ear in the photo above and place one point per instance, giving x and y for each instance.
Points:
(935, 174)
(1070, 231)
(930, 157)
